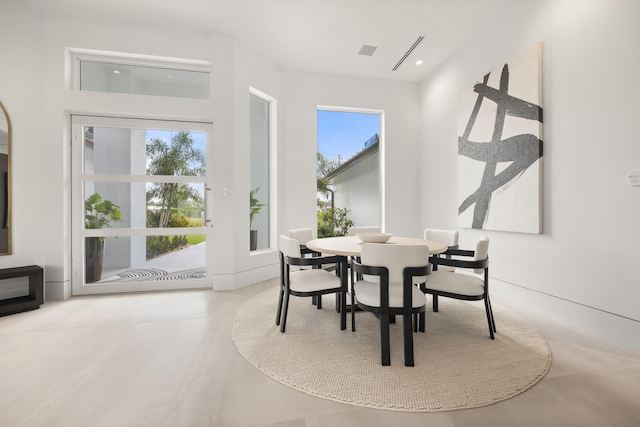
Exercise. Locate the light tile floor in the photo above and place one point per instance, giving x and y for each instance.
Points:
(167, 359)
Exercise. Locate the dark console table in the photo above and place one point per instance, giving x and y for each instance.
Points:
(34, 275)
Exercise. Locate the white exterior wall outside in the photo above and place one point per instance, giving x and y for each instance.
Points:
(357, 188)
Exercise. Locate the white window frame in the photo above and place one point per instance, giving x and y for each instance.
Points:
(382, 150)
(273, 167)
(75, 55)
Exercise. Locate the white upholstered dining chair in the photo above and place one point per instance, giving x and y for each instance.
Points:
(314, 282)
(471, 285)
(448, 237)
(395, 269)
(303, 235)
(353, 231)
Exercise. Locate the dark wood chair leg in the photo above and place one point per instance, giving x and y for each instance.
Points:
(408, 340)
(350, 283)
(422, 318)
(319, 302)
(493, 320)
(385, 340)
(283, 323)
(343, 312)
(435, 303)
(353, 314)
(278, 313)
(489, 317)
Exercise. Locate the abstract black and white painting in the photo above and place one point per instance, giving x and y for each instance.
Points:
(500, 148)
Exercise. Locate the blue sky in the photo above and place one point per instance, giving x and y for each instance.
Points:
(339, 133)
(344, 133)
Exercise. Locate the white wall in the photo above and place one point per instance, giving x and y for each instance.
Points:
(21, 89)
(252, 70)
(399, 144)
(584, 268)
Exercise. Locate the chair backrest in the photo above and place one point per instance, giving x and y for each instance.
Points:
(395, 258)
(448, 237)
(291, 248)
(302, 235)
(482, 251)
(352, 231)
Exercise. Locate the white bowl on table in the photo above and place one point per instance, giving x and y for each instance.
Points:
(373, 237)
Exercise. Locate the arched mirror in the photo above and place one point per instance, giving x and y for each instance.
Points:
(5, 182)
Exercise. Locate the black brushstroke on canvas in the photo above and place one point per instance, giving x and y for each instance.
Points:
(523, 150)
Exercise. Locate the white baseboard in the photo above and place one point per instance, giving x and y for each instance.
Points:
(228, 282)
(57, 291)
(587, 319)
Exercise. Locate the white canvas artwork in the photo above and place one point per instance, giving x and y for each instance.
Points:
(500, 148)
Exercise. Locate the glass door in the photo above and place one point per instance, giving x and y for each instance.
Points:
(140, 211)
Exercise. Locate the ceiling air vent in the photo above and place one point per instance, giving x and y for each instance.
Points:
(367, 50)
(408, 53)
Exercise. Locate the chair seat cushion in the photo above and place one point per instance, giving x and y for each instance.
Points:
(368, 293)
(313, 280)
(455, 283)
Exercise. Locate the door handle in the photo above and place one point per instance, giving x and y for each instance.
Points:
(207, 220)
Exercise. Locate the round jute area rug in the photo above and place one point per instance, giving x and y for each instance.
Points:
(457, 365)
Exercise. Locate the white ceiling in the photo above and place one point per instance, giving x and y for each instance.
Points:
(317, 35)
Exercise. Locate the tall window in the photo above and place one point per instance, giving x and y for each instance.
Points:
(262, 114)
(349, 172)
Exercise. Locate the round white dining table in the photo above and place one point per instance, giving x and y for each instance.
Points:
(352, 245)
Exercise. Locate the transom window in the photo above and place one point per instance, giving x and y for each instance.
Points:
(141, 75)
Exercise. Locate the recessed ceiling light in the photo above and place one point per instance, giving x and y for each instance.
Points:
(116, 71)
(419, 62)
